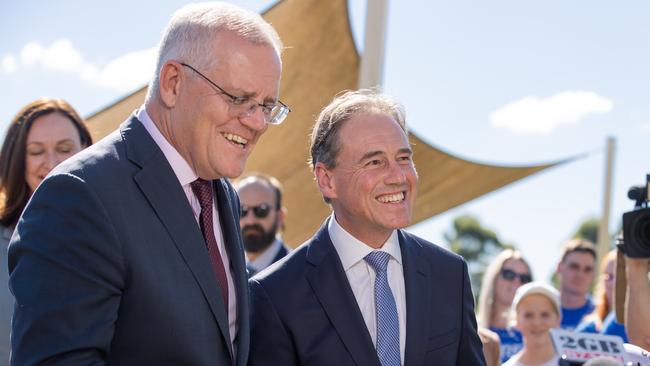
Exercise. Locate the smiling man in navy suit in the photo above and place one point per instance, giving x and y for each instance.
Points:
(362, 291)
(131, 253)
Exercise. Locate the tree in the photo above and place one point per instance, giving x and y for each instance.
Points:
(588, 229)
(477, 244)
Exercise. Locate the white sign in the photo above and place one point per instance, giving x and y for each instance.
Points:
(579, 347)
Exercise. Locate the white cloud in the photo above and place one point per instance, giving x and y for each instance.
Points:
(129, 71)
(124, 73)
(31, 54)
(9, 64)
(60, 56)
(534, 115)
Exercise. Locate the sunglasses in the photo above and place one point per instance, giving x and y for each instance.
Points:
(260, 211)
(510, 275)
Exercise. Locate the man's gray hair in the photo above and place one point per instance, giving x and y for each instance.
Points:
(325, 146)
(193, 26)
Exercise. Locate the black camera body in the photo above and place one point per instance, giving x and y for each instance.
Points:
(636, 223)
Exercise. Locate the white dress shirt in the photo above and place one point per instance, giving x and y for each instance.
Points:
(361, 276)
(185, 176)
(266, 258)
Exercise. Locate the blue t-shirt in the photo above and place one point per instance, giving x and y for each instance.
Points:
(587, 327)
(511, 341)
(610, 327)
(572, 317)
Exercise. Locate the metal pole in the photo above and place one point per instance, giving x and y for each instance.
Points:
(372, 60)
(604, 242)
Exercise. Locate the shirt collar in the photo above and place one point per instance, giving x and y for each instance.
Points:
(181, 168)
(265, 259)
(351, 250)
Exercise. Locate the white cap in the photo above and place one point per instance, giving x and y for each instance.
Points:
(539, 288)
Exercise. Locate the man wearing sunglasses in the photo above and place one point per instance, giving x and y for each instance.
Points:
(262, 220)
(362, 291)
(575, 274)
(130, 253)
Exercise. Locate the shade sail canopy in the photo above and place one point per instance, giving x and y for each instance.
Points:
(320, 60)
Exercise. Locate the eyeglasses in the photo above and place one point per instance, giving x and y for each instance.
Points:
(510, 275)
(274, 114)
(260, 211)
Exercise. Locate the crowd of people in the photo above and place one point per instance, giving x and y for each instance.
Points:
(139, 250)
(508, 279)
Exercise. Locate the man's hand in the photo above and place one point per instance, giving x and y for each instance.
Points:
(637, 316)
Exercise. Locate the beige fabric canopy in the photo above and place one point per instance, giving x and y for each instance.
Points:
(319, 61)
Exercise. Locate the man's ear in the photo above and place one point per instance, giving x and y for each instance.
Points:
(325, 181)
(282, 214)
(169, 83)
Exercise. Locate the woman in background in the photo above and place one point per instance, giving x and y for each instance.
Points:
(507, 272)
(603, 319)
(536, 309)
(43, 134)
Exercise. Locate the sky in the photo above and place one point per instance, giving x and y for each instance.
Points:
(505, 82)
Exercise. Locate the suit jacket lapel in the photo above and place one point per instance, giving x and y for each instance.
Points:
(234, 246)
(417, 285)
(161, 188)
(331, 286)
(281, 253)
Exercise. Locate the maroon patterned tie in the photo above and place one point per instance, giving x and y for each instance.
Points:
(203, 191)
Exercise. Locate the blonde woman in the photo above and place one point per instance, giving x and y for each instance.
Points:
(507, 272)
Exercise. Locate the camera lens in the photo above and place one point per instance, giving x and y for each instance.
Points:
(636, 228)
(643, 230)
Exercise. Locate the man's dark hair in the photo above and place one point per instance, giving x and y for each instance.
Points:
(578, 246)
(325, 147)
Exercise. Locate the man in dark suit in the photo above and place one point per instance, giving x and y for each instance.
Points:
(262, 220)
(362, 291)
(130, 253)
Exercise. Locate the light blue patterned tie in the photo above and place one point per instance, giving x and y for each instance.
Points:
(386, 311)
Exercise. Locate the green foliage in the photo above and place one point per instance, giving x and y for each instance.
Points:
(477, 244)
(588, 229)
